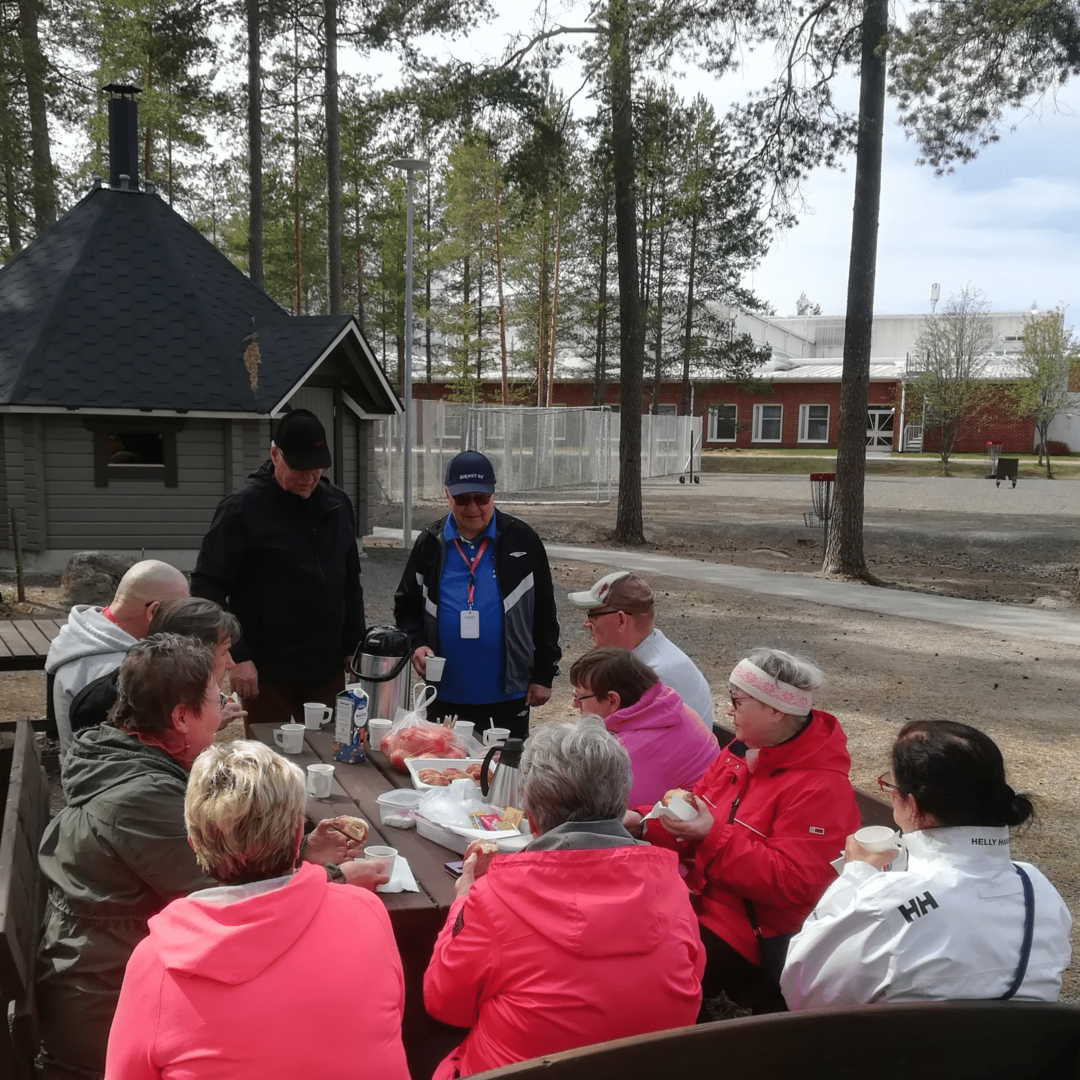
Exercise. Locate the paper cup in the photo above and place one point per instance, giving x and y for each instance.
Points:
(385, 855)
(493, 735)
(464, 728)
(316, 714)
(320, 781)
(290, 737)
(878, 838)
(377, 728)
(433, 668)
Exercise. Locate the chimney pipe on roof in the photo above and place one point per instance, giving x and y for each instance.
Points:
(123, 136)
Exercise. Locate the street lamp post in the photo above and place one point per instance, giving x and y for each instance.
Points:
(411, 166)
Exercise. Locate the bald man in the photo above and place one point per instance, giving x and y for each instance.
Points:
(94, 640)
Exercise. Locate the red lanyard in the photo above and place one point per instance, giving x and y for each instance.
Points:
(472, 565)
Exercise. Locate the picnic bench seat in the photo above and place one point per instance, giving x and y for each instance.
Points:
(26, 813)
(946, 1040)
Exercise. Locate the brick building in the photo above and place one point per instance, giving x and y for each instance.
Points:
(794, 400)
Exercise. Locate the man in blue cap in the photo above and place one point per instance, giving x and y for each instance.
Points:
(477, 591)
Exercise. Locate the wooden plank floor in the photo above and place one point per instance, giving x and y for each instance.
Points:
(24, 643)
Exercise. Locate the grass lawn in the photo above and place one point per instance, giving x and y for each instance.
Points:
(803, 462)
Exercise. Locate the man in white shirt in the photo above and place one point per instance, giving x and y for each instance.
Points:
(620, 610)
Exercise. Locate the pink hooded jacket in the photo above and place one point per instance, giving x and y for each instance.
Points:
(553, 950)
(298, 981)
(670, 746)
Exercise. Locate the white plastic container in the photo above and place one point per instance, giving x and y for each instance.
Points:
(414, 766)
(378, 728)
(395, 807)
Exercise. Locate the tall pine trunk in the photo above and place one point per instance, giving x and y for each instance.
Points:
(255, 145)
(629, 528)
(297, 245)
(554, 301)
(600, 373)
(502, 301)
(844, 556)
(333, 162)
(688, 334)
(658, 351)
(44, 181)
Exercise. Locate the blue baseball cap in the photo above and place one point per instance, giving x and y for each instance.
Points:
(470, 471)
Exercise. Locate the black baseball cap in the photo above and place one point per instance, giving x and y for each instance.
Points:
(301, 438)
(470, 471)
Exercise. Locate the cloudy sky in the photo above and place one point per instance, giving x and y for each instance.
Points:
(1008, 224)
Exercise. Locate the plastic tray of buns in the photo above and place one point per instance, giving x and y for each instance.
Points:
(415, 765)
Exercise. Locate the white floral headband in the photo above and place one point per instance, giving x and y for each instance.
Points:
(770, 690)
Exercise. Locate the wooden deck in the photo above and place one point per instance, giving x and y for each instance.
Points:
(24, 643)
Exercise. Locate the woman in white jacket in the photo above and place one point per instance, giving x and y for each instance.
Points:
(963, 921)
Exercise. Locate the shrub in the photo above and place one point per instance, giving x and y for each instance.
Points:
(1057, 448)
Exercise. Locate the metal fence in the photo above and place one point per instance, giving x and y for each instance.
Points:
(556, 454)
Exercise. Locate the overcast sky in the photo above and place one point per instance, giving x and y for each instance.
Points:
(1008, 224)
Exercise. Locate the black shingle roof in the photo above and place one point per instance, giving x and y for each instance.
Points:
(122, 304)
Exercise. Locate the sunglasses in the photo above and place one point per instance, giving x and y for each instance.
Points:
(477, 497)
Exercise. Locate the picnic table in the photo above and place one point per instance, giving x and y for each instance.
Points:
(24, 643)
(417, 917)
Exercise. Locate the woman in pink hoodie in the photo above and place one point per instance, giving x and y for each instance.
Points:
(670, 746)
(584, 936)
(273, 973)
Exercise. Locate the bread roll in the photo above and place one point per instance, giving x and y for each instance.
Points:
(353, 827)
(687, 797)
(484, 850)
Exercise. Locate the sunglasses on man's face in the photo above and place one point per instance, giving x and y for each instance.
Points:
(477, 497)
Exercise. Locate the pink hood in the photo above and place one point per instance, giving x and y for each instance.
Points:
(670, 746)
(236, 942)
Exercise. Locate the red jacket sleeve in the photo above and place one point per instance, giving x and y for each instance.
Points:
(464, 964)
(787, 867)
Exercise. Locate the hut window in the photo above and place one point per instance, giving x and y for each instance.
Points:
(130, 450)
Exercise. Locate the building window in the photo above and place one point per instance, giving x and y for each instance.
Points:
(134, 450)
(814, 423)
(723, 422)
(768, 423)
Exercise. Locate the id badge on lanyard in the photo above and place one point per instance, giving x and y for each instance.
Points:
(470, 620)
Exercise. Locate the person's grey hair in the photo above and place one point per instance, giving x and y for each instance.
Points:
(797, 671)
(196, 617)
(244, 808)
(574, 770)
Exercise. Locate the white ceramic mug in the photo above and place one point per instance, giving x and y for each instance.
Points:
(493, 735)
(320, 780)
(316, 714)
(385, 855)
(878, 838)
(290, 737)
(433, 668)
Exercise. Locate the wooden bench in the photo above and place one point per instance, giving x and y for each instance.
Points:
(948, 1040)
(22, 893)
(24, 643)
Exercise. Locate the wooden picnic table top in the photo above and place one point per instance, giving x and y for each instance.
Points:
(24, 643)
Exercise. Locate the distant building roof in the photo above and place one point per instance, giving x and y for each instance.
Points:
(123, 305)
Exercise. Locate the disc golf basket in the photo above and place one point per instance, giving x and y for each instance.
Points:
(821, 497)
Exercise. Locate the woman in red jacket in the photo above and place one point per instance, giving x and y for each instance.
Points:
(584, 936)
(774, 809)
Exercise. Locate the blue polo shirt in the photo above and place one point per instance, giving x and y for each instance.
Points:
(474, 666)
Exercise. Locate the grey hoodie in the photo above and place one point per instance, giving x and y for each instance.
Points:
(87, 647)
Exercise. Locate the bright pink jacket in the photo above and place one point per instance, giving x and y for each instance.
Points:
(776, 828)
(300, 981)
(553, 950)
(670, 746)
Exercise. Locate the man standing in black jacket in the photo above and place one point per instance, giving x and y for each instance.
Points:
(477, 590)
(281, 555)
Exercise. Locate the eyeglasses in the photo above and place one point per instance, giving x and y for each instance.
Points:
(577, 699)
(478, 497)
(592, 616)
(886, 785)
(737, 701)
